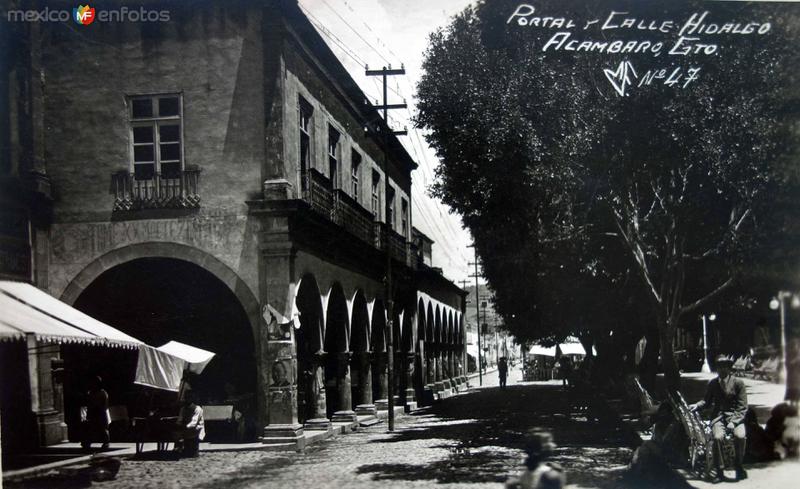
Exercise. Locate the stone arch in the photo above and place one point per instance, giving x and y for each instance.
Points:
(337, 360)
(450, 336)
(380, 382)
(177, 251)
(311, 395)
(420, 320)
(437, 326)
(361, 375)
(430, 324)
(308, 302)
(337, 321)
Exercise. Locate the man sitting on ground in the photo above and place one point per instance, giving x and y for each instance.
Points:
(728, 395)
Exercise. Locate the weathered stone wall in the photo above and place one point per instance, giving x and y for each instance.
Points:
(213, 57)
(210, 54)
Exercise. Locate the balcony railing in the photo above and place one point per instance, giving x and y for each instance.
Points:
(342, 209)
(351, 216)
(397, 243)
(160, 192)
(318, 192)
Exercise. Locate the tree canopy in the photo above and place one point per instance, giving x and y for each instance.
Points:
(605, 189)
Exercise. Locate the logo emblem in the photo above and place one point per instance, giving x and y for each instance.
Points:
(83, 14)
(620, 78)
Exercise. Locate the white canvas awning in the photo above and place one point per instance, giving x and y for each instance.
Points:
(472, 350)
(195, 358)
(163, 367)
(572, 349)
(541, 350)
(26, 310)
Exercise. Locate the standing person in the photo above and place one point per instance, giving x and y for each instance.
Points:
(566, 370)
(502, 370)
(191, 426)
(728, 395)
(793, 372)
(97, 417)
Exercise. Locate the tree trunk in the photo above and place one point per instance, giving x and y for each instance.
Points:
(672, 377)
(648, 366)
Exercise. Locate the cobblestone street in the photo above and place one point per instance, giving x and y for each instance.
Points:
(473, 440)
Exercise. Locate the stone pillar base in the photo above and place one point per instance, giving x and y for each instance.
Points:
(284, 434)
(428, 395)
(318, 424)
(410, 395)
(52, 428)
(344, 417)
(438, 386)
(366, 410)
(382, 404)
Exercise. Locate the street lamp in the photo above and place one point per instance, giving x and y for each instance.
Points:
(706, 369)
(776, 303)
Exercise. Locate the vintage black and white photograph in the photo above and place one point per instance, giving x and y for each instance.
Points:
(323, 244)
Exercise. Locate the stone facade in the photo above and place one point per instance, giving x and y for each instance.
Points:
(299, 243)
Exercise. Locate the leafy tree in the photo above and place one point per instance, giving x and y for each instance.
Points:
(545, 168)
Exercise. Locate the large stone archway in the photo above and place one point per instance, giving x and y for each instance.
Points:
(211, 321)
(116, 257)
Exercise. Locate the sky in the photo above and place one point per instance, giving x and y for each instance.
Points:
(393, 32)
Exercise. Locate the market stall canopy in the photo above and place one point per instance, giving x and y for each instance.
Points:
(163, 367)
(27, 310)
(574, 349)
(195, 358)
(541, 350)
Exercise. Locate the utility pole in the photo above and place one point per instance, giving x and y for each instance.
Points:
(388, 293)
(477, 312)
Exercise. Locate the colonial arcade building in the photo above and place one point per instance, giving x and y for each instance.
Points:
(209, 180)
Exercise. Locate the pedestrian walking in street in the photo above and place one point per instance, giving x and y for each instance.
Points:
(728, 396)
(191, 426)
(502, 370)
(565, 370)
(95, 415)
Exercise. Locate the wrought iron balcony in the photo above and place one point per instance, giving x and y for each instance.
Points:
(318, 192)
(397, 243)
(174, 191)
(342, 209)
(351, 216)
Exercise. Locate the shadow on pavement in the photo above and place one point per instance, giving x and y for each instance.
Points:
(486, 431)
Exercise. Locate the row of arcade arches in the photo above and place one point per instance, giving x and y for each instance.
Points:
(341, 347)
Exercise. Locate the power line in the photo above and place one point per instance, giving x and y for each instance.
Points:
(323, 30)
(373, 32)
(356, 32)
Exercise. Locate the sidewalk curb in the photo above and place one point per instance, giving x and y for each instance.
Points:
(338, 429)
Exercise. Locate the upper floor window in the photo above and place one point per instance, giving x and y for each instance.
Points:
(404, 217)
(376, 185)
(355, 169)
(306, 112)
(333, 155)
(157, 136)
(390, 216)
